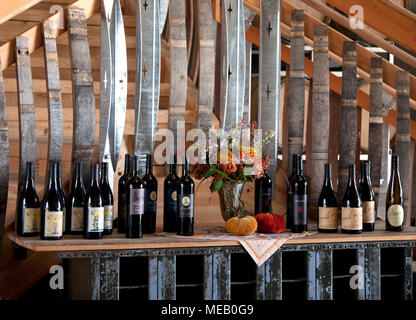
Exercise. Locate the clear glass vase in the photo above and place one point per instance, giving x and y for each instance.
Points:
(230, 195)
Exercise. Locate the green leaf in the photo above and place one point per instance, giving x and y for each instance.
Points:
(218, 184)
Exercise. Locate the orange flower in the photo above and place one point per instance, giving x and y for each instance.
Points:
(229, 168)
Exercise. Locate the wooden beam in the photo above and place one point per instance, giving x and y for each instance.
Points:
(388, 18)
(13, 8)
(34, 34)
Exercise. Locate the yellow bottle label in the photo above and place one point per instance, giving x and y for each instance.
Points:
(108, 217)
(53, 223)
(328, 218)
(351, 218)
(96, 219)
(369, 212)
(31, 222)
(77, 221)
(395, 215)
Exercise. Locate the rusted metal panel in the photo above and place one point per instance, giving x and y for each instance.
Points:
(269, 278)
(109, 278)
(4, 157)
(348, 135)
(83, 90)
(320, 114)
(297, 86)
(403, 138)
(27, 121)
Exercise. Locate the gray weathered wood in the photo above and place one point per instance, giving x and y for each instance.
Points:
(297, 86)
(206, 64)
(217, 276)
(83, 90)
(178, 70)
(403, 138)
(147, 78)
(27, 121)
(320, 114)
(162, 278)
(378, 146)
(348, 135)
(55, 134)
(372, 278)
(269, 78)
(408, 273)
(269, 278)
(248, 17)
(4, 157)
(109, 278)
(319, 273)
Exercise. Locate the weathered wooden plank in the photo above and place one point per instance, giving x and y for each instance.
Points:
(269, 278)
(311, 275)
(320, 114)
(206, 64)
(162, 278)
(82, 278)
(217, 276)
(269, 78)
(319, 275)
(27, 121)
(109, 278)
(248, 17)
(4, 158)
(297, 86)
(178, 69)
(378, 148)
(335, 116)
(361, 262)
(348, 135)
(55, 116)
(408, 273)
(372, 277)
(403, 138)
(83, 90)
(147, 77)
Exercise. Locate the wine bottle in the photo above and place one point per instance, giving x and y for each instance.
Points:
(367, 195)
(299, 203)
(263, 193)
(150, 197)
(94, 209)
(328, 205)
(28, 208)
(394, 199)
(351, 210)
(170, 199)
(185, 205)
(62, 193)
(122, 182)
(289, 194)
(108, 200)
(76, 202)
(52, 208)
(135, 203)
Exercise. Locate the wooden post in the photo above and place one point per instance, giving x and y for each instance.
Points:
(296, 87)
(4, 157)
(320, 114)
(83, 90)
(217, 276)
(162, 278)
(378, 146)
(53, 82)
(335, 124)
(403, 138)
(348, 136)
(269, 278)
(248, 17)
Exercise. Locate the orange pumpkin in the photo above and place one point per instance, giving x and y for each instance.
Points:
(242, 226)
(270, 223)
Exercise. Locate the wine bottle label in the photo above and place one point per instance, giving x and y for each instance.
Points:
(108, 217)
(151, 200)
(395, 215)
(53, 223)
(186, 206)
(172, 197)
(77, 219)
(96, 219)
(328, 218)
(136, 201)
(369, 212)
(300, 209)
(351, 218)
(31, 220)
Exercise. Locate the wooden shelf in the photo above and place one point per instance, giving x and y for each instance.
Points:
(117, 241)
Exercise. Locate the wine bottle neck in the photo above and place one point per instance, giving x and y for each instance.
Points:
(364, 173)
(30, 174)
(94, 175)
(185, 168)
(149, 165)
(52, 177)
(351, 176)
(127, 166)
(172, 169)
(78, 174)
(328, 176)
(299, 166)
